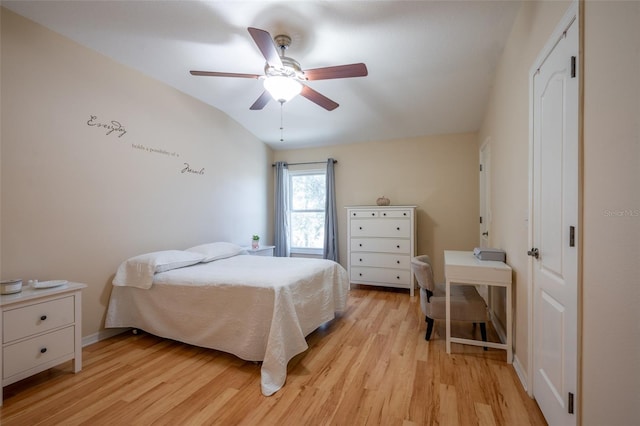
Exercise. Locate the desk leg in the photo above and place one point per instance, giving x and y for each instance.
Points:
(448, 314)
(509, 325)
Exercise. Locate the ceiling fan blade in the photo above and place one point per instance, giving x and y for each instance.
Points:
(223, 74)
(318, 98)
(266, 45)
(340, 71)
(261, 101)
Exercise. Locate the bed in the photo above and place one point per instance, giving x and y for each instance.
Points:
(216, 296)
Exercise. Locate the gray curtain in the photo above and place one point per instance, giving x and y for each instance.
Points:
(281, 228)
(331, 217)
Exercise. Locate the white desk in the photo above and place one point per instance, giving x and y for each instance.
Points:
(462, 267)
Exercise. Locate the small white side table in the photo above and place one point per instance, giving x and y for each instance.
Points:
(260, 251)
(41, 328)
(462, 267)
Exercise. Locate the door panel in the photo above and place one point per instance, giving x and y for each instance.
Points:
(551, 185)
(551, 353)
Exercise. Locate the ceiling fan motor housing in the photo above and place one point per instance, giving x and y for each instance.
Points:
(290, 68)
(282, 41)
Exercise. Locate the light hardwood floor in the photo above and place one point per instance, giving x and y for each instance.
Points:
(371, 366)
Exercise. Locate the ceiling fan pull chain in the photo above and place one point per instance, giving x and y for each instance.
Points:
(281, 123)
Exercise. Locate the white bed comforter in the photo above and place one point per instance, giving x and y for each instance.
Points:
(257, 308)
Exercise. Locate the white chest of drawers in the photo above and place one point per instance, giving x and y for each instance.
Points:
(381, 242)
(41, 328)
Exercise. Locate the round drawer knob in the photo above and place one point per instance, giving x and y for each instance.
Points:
(398, 277)
(360, 227)
(384, 214)
(405, 214)
(43, 317)
(398, 246)
(373, 214)
(360, 274)
(398, 262)
(398, 228)
(43, 350)
(360, 244)
(360, 260)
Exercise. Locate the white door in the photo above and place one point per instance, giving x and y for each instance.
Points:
(485, 194)
(486, 292)
(554, 230)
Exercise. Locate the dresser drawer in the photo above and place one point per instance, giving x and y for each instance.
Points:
(381, 275)
(380, 260)
(387, 245)
(381, 228)
(395, 213)
(37, 318)
(363, 213)
(31, 353)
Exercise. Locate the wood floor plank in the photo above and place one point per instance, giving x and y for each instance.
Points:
(449, 405)
(485, 414)
(369, 366)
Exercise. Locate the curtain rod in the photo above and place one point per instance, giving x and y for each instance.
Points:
(308, 162)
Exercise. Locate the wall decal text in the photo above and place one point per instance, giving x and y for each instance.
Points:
(115, 127)
(154, 150)
(187, 169)
(112, 126)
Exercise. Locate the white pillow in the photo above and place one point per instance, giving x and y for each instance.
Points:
(215, 251)
(138, 271)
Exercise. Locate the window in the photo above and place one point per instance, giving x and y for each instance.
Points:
(307, 191)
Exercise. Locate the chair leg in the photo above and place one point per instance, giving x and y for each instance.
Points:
(429, 328)
(483, 332)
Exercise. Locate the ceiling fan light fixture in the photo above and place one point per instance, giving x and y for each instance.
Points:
(281, 88)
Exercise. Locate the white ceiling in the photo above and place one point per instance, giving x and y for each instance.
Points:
(431, 63)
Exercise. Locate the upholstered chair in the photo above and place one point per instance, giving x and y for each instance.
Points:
(466, 303)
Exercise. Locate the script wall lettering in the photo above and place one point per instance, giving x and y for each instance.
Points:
(112, 126)
(187, 169)
(116, 128)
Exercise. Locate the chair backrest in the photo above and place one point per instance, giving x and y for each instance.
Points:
(421, 266)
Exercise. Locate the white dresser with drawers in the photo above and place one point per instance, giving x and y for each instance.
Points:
(381, 242)
(41, 328)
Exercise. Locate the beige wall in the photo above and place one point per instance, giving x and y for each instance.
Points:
(439, 174)
(611, 273)
(610, 388)
(76, 202)
(506, 128)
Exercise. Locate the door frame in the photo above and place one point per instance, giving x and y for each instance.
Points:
(574, 13)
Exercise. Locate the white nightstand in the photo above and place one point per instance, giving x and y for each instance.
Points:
(41, 328)
(260, 251)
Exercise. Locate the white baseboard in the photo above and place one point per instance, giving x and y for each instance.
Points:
(521, 372)
(497, 325)
(517, 365)
(102, 335)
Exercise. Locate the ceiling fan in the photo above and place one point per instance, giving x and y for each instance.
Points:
(284, 78)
